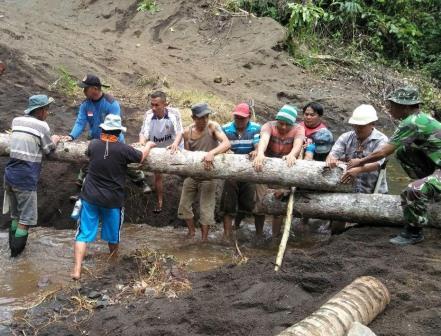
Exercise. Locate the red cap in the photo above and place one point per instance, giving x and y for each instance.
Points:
(242, 110)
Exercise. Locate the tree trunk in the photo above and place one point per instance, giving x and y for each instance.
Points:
(311, 175)
(361, 301)
(357, 208)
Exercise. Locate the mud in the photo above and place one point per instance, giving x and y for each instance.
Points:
(252, 299)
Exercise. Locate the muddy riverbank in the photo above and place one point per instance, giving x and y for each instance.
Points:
(251, 299)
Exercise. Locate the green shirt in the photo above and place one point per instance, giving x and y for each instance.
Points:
(420, 131)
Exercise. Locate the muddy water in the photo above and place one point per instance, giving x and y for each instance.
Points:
(46, 263)
(47, 260)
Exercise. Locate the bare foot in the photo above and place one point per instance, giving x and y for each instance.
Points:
(76, 274)
(191, 235)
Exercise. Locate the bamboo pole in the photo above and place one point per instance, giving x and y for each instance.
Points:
(286, 230)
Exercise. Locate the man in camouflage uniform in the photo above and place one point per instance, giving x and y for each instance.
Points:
(418, 143)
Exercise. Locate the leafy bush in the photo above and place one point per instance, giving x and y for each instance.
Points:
(147, 6)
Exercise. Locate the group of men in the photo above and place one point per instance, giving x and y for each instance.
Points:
(364, 149)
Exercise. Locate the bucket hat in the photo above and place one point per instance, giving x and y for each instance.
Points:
(363, 115)
(38, 101)
(405, 96)
(112, 122)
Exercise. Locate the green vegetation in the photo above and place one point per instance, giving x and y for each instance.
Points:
(66, 83)
(148, 6)
(372, 39)
(401, 31)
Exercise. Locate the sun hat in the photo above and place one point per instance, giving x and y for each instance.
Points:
(112, 122)
(201, 109)
(91, 80)
(242, 110)
(405, 96)
(287, 114)
(363, 115)
(323, 140)
(38, 101)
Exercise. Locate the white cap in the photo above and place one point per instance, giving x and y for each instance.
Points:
(363, 115)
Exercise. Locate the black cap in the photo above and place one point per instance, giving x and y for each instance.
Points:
(91, 80)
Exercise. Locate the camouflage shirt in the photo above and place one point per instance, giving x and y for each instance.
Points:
(420, 131)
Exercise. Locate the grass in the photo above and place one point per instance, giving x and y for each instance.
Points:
(65, 84)
(149, 6)
(184, 99)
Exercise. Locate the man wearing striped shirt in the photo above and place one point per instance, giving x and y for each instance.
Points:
(238, 198)
(30, 139)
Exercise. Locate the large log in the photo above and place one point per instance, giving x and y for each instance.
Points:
(310, 175)
(357, 208)
(361, 301)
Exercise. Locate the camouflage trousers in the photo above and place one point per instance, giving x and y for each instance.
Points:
(416, 197)
(136, 176)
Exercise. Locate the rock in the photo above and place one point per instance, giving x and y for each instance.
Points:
(150, 292)
(358, 329)
(44, 281)
(101, 304)
(93, 295)
(217, 79)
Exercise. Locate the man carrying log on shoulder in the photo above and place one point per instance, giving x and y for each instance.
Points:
(103, 190)
(30, 139)
(162, 125)
(207, 136)
(418, 143)
(282, 138)
(240, 197)
(358, 144)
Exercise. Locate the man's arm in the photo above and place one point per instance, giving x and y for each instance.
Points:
(185, 135)
(146, 150)
(80, 123)
(265, 135)
(145, 128)
(224, 143)
(384, 151)
(295, 151)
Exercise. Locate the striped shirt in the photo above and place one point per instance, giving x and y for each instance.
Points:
(30, 139)
(281, 145)
(242, 143)
(162, 131)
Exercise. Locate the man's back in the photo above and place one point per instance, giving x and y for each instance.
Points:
(104, 184)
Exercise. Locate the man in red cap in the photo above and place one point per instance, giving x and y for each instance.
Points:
(238, 198)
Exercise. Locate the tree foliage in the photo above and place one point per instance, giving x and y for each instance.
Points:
(407, 31)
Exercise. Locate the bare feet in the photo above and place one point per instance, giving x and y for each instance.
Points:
(76, 274)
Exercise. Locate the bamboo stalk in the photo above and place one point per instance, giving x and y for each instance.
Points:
(286, 230)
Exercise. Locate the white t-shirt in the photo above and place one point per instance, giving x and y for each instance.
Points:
(162, 131)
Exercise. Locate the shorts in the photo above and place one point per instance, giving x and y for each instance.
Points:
(90, 217)
(238, 196)
(22, 205)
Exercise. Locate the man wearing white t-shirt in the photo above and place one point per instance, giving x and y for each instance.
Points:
(162, 125)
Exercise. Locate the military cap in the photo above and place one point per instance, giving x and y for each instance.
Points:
(405, 96)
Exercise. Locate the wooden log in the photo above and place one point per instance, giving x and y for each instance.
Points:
(361, 301)
(304, 174)
(358, 208)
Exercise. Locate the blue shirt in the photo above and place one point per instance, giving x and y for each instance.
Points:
(242, 144)
(93, 113)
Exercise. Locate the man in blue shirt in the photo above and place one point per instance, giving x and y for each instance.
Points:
(238, 198)
(93, 110)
